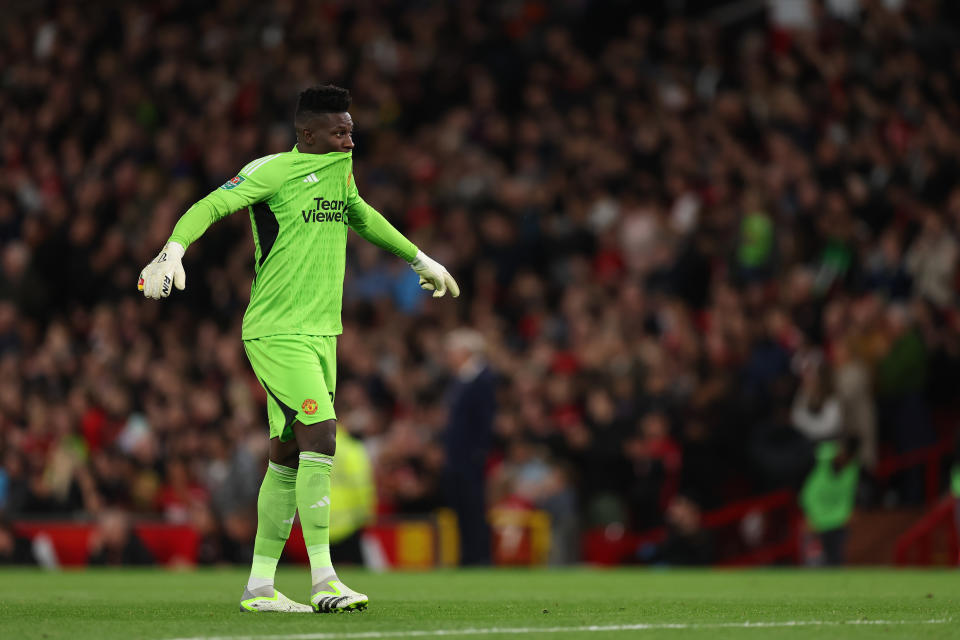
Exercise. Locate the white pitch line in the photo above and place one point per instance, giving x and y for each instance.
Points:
(655, 626)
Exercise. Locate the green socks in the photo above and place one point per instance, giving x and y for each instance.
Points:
(283, 492)
(276, 508)
(313, 501)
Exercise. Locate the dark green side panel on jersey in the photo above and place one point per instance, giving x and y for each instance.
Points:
(266, 228)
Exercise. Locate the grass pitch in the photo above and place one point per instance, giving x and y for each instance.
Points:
(557, 604)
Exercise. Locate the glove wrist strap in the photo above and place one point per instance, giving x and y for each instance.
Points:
(175, 250)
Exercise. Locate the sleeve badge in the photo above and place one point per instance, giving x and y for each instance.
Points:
(232, 183)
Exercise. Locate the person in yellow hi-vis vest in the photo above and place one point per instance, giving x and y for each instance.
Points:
(352, 498)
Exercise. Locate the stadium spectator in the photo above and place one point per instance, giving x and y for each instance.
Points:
(828, 495)
(530, 478)
(931, 261)
(14, 549)
(856, 402)
(467, 438)
(687, 542)
(655, 459)
(114, 542)
(816, 409)
(655, 222)
(180, 494)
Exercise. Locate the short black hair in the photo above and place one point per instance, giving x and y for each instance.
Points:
(324, 98)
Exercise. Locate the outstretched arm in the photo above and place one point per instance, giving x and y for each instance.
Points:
(373, 227)
(253, 184)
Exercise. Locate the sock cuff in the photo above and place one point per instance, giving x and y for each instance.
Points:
(319, 574)
(316, 458)
(264, 567)
(285, 473)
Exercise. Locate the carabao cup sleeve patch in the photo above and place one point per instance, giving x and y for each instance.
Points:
(232, 183)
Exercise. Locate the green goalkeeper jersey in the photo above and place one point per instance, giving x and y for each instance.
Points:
(301, 205)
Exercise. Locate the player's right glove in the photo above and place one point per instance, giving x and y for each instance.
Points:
(166, 271)
(433, 276)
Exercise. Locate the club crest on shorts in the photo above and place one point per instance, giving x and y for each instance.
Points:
(232, 183)
(309, 406)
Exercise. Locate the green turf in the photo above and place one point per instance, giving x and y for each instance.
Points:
(109, 604)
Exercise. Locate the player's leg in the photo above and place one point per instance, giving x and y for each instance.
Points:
(277, 502)
(316, 433)
(318, 444)
(276, 509)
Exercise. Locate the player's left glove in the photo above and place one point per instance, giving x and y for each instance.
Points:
(166, 271)
(433, 276)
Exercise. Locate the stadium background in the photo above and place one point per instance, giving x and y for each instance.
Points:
(698, 239)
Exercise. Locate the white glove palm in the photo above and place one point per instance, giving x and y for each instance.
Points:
(433, 276)
(166, 271)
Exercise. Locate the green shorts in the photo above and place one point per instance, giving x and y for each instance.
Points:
(299, 374)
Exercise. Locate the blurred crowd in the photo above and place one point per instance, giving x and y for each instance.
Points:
(696, 245)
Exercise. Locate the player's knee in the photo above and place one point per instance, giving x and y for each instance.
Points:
(285, 453)
(320, 437)
(291, 460)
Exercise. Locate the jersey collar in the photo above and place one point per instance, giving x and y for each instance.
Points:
(332, 153)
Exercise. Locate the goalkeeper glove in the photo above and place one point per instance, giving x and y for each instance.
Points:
(165, 272)
(433, 276)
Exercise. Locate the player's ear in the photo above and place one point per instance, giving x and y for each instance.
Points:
(304, 135)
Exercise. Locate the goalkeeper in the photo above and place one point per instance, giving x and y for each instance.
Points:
(301, 204)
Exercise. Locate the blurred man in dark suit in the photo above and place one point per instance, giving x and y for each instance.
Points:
(467, 440)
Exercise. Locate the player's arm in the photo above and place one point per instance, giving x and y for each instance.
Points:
(255, 183)
(373, 227)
